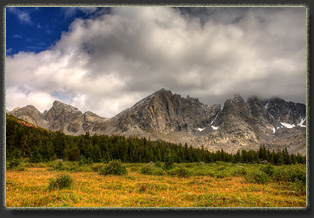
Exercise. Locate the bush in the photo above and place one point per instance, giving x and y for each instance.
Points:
(158, 171)
(239, 172)
(181, 172)
(61, 182)
(96, 167)
(114, 168)
(268, 169)
(158, 164)
(40, 165)
(14, 163)
(152, 170)
(147, 170)
(84, 168)
(20, 168)
(29, 165)
(59, 166)
(299, 187)
(258, 177)
(75, 167)
(221, 168)
(220, 174)
(291, 173)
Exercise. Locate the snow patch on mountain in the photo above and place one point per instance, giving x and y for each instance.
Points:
(215, 127)
(287, 125)
(301, 124)
(200, 129)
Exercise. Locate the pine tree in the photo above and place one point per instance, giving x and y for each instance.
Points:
(36, 157)
(74, 153)
(24, 146)
(286, 156)
(168, 161)
(96, 154)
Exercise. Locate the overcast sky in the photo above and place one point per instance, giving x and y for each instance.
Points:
(106, 59)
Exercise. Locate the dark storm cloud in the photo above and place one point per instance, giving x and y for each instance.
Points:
(114, 60)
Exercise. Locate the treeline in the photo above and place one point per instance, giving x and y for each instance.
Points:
(24, 140)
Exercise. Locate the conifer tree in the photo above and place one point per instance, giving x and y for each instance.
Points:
(36, 157)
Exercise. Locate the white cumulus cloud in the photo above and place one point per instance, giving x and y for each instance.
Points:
(107, 63)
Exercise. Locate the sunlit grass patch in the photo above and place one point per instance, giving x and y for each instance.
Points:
(90, 189)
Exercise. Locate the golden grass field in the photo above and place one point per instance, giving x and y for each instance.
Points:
(29, 189)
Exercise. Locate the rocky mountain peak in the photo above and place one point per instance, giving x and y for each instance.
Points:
(234, 121)
(166, 112)
(234, 107)
(162, 91)
(263, 120)
(28, 113)
(237, 98)
(287, 112)
(58, 105)
(170, 117)
(61, 115)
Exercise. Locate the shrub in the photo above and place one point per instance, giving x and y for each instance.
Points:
(75, 167)
(258, 177)
(14, 163)
(268, 169)
(29, 165)
(239, 172)
(96, 167)
(113, 167)
(84, 168)
(200, 163)
(291, 173)
(158, 164)
(220, 174)
(59, 166)
(158, 171)
(40, 165)
(221, 168)
(152, 170)
(20, 168)
(181, 172)
(299, 187)
(147, 170)
(61, 182)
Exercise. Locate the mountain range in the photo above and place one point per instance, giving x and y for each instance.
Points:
(238, 124)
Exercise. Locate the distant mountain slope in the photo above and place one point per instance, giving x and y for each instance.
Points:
(170, 117)
(286, 112)
(60, 117)
(165, 112)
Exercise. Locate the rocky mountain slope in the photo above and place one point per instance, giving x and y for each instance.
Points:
(165, 112)
(60, 117)
(170, 117)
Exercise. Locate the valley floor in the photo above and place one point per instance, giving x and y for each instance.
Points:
(29, 189)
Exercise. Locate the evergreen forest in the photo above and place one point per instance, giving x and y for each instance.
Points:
(27, 141)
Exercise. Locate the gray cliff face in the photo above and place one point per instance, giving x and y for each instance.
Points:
(165, 112)
(60, 117)
(170, 117)
(235, 121)
(287, 112)
(63, 117)
(92, 122)
(262, 118)
(30, 114)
